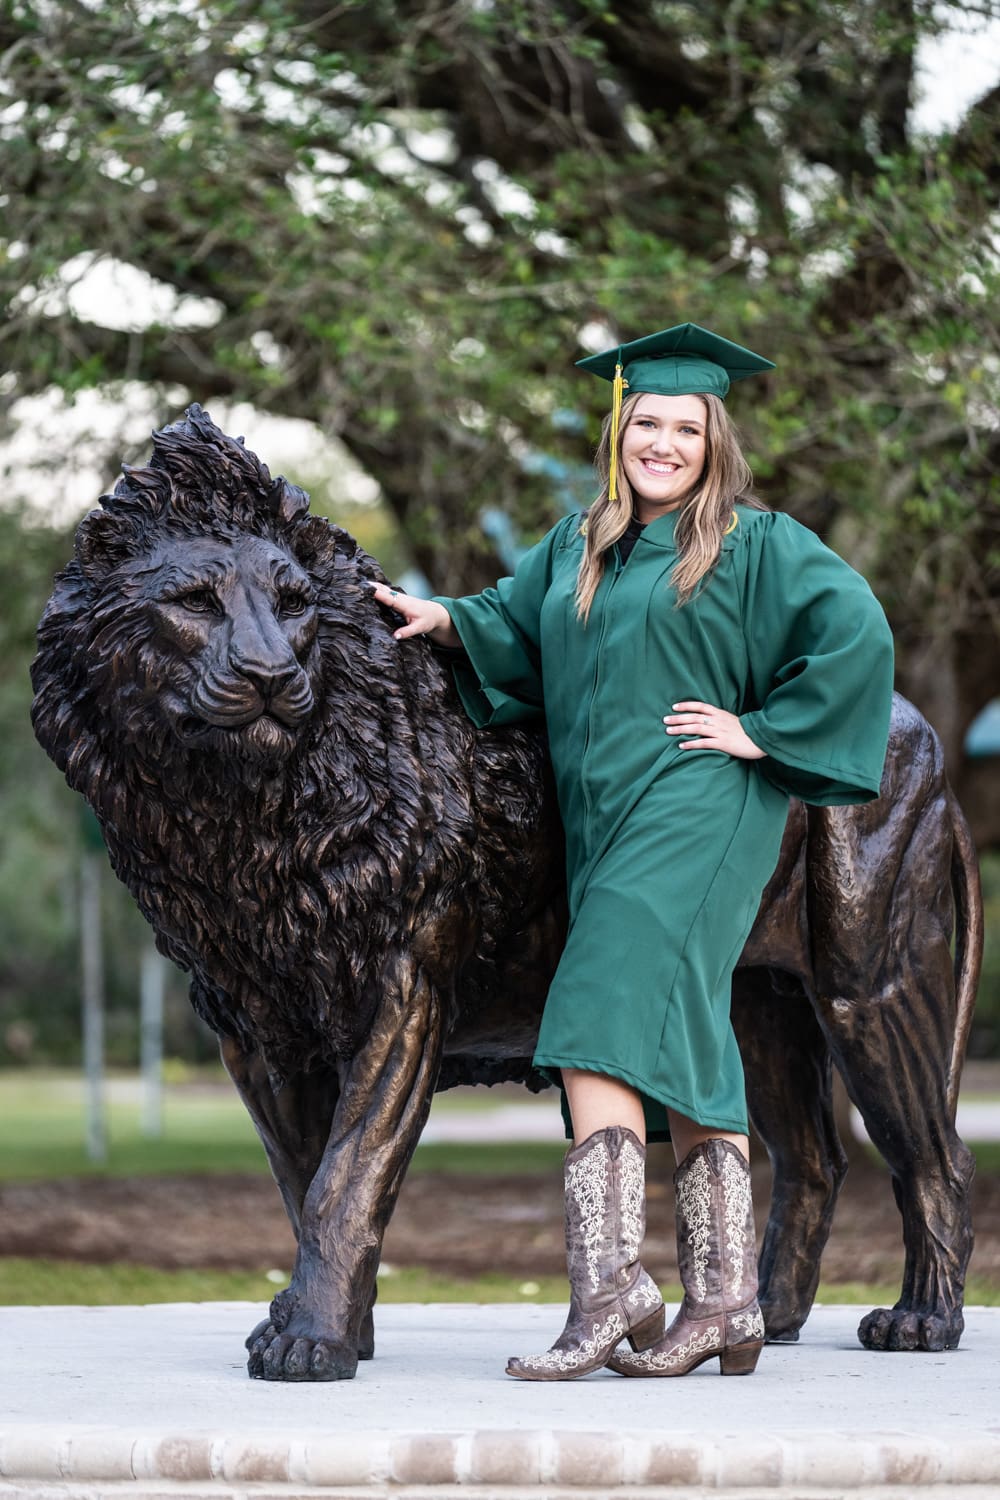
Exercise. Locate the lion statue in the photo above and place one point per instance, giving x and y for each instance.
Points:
(368, 894)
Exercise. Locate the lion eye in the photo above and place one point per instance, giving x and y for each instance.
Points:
(293, 604)
(199, 602)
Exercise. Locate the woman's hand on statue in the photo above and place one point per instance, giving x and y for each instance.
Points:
(716, 730)
(422, 616)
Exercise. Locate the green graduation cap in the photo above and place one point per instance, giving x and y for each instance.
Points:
(682, 361)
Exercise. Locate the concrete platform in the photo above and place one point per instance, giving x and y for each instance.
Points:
(151, 1402)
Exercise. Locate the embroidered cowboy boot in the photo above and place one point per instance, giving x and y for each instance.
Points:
(611, 1296)
(717, 1259)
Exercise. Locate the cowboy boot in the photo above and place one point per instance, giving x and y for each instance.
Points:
(611, 1296)
(717, 1259)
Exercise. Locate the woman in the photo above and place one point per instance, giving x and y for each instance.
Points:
(698, 660)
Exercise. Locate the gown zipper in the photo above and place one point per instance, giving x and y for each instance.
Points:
(587, 800)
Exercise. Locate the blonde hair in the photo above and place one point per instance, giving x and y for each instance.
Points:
(705, 516)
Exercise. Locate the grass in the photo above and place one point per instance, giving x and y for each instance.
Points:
(987, 1154)
(42, 1131)
(60, 1283)
(541, 1157)
(205, 1130)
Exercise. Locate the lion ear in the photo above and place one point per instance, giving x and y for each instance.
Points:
(99, 542)
(286, 500)
(313, 540)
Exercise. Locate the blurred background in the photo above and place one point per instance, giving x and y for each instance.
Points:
(374, 237)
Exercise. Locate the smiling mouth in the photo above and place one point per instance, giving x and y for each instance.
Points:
(656, 468)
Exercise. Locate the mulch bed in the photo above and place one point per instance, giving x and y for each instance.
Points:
(453, 1223)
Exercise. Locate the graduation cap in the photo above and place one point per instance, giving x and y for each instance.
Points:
(686, 360)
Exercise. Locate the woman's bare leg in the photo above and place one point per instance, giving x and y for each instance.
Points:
(686, 1134)
(597, 1101)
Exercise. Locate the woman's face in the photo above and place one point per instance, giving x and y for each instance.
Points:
(663, 451)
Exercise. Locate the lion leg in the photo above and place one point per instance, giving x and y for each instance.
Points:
(788, 1074)
(897, 1078)
(882, 916)
(293, 1123)
(316, 1325)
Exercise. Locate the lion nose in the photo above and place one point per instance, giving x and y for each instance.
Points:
(268, 680)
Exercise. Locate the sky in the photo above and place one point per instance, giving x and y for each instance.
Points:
(953, 71)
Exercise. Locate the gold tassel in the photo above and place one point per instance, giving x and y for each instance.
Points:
(617, 387)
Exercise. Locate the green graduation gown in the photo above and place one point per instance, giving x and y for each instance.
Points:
(668, 850)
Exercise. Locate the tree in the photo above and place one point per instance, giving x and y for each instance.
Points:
(403, 219)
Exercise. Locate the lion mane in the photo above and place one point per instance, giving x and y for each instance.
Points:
(276, 880)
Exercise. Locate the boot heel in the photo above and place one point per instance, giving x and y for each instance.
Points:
(649, 1332)
(740, 1361)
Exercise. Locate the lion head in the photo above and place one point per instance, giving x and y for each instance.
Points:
(194, 614)
(235, 619)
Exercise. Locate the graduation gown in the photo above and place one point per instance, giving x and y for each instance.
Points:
(668, 850)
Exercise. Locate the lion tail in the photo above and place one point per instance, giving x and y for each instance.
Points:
(968, 897)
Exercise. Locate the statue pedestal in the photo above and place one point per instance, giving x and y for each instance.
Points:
(145, 1402)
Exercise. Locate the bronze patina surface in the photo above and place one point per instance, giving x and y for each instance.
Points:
(367, 893)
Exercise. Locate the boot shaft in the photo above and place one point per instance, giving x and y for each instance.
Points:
(605, 1180)
(716, 1242)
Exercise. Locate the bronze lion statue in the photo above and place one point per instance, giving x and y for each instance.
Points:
(368, 894)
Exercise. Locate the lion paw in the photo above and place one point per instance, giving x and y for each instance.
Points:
(294, 1342)
(283, 1356)
(901, 1328)
(265, 1332)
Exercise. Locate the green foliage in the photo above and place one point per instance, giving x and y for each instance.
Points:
(984, 1040)
(377, 196)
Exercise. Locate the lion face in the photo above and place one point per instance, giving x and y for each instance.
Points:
(233, 626)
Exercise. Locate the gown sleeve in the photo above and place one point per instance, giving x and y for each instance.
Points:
(821, 667)
(499, 678)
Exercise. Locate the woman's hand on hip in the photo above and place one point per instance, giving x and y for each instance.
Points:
(715, 730)
(422, 616)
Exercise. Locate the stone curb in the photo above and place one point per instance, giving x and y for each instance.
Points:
(50, 1459)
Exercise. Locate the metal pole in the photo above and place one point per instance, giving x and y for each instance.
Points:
(92, 964)
(151, 988)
